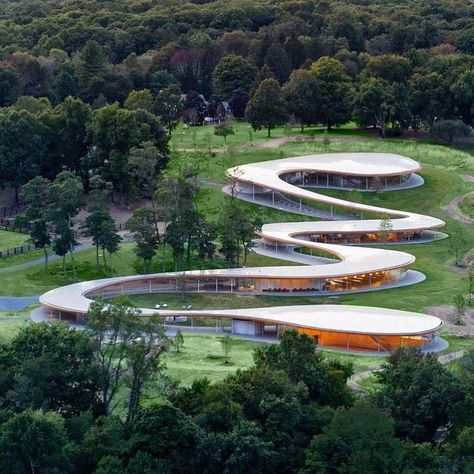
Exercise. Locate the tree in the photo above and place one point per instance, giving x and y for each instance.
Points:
(336, 91)
(143, 359)
(114, 132)
(267, 108)
(302, 96)
(71, 142)
(457, 243)
(326, 141)
(390, 68)
(385, 227)
(231, 73)
(90, 65)
(169, 106)
(112, 328)
(224, 129)
(418, 411)
(238, 101)
(194, 108)
(226, 344)
(160, 80)
(100, 225)
(295, 50)
(23, 144)
(10, 86)
(278, 62)
(34, 195)
(141, 99)
(359, 440)
(34, 442)
(463, 90)
(66, 197)
(142, 226)
(264, 73)
(178, 341)
(164, 433)
(143, 167)
(429, 94)
(459, 309)
(296, 355)
(450, 129)
(51, 367)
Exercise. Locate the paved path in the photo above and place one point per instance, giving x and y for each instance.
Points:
(16, 303)
(40, 260)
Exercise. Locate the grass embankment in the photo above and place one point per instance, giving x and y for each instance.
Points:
(467, 205)
(10, 240)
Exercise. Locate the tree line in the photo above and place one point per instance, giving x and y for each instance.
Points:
(98, 401)
(392, 66)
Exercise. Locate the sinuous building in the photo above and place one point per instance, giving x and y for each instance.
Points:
(338, 254)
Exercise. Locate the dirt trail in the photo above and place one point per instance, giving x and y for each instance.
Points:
(353, 381)
(452, 209)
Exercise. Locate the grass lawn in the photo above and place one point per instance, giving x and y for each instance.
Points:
(222, 301)
(203, 136)
(34, 280)
(202, 356)
(9, 240)
(11, 323)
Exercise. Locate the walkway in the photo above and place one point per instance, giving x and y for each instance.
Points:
(452, 209)
(353, 382)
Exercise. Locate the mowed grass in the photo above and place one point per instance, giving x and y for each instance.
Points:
(11, 323)
(222, 301)
(202, 137)
(35, 280)
(202, 356)
(10, 240)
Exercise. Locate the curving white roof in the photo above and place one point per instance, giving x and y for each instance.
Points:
(354, 164)
(347, 319)
(352, 260)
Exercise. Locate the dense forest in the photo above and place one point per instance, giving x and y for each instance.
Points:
(291, 412)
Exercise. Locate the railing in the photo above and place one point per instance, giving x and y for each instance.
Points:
(17, 250)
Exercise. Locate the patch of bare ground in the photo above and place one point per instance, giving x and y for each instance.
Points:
(446, 314)
(452, 209)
